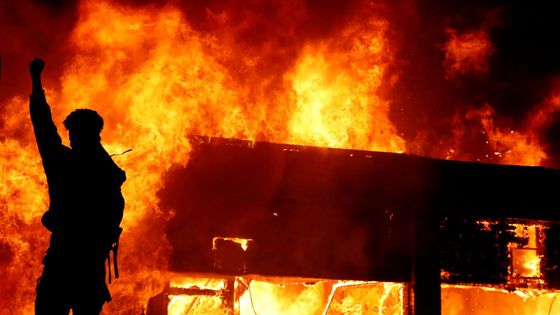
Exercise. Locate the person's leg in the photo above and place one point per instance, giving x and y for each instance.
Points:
(88, 306)
(50, 299)
(93, 294)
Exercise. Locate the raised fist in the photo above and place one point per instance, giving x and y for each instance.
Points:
(36, 67)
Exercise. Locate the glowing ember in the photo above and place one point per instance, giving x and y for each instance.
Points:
(509, 146)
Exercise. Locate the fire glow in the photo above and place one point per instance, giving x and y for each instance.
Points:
(274, 295)
(155, 79)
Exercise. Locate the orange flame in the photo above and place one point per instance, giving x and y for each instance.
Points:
(467, 53)
(519, 147)
(336, 85)
(155, 79)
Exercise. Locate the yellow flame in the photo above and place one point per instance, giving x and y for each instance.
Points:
(154, 80)
(471, 300)
(243, 242)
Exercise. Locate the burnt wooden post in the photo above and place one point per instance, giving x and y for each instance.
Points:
(426, 282)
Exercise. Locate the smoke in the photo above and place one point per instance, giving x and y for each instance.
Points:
(518, 76)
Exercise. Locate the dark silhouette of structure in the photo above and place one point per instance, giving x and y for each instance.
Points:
(325, 213)
(86, 208)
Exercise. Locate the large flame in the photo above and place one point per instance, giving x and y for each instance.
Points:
(156, 78)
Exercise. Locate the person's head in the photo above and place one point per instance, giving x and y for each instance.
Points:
(84, 128)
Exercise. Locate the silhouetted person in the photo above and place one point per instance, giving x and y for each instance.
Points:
(86, 208)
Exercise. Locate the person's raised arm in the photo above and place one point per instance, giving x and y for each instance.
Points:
(35, 69)
(47, 137)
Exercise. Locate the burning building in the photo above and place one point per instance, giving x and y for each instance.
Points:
(352, 222)
(345, 194)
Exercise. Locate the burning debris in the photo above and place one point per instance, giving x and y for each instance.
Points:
(274, 295)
